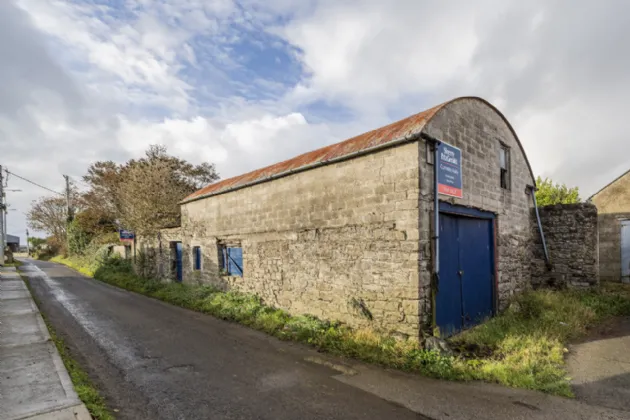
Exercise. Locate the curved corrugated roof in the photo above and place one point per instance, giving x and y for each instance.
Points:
(396, 131)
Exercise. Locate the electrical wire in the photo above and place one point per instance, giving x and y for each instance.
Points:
(31, 182)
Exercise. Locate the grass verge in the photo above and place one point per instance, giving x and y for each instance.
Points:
(524, 347)
(84, 387)
(15, 263)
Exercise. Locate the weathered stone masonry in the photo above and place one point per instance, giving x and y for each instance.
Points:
(323, 241)
(571, 237)
(351, 240)
(479, 131)
(157, 255)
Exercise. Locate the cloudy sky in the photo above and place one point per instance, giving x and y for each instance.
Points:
(245, 83)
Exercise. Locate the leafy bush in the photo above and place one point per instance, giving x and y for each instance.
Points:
(548, 193)
(78, 239)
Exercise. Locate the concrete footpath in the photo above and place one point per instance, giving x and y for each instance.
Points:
(600, 366)
(34, 383)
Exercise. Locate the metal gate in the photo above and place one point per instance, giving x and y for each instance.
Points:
(625, 251)
(465, 295)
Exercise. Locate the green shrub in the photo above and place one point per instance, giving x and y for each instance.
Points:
(78, 239)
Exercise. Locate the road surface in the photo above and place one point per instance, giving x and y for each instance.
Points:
(153, 360)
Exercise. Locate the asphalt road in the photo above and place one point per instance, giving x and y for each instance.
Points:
(153, 361)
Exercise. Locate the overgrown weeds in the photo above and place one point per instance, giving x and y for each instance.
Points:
(523, 347)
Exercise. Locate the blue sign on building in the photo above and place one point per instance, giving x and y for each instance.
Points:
(126, 235)
(449, 167)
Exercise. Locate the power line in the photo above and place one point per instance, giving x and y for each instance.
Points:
(31, 182)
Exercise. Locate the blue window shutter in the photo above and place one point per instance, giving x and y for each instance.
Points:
(197, 258)
(238, 259)
(235, 261)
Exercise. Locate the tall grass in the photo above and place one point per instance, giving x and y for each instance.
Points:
(523, 347)
(526, 344)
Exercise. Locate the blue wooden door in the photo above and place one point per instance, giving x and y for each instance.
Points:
(178, 262)
(465, 295)
(448, 311)
(476, 262)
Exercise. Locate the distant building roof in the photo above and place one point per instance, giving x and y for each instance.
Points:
(13, 239)
(396, 131)
(609, 184)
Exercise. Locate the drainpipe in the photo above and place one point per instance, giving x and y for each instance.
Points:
(540, 229)
(436, 209)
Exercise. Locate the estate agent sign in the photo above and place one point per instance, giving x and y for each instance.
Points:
(449, 167)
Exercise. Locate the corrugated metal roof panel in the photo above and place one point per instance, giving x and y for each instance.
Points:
(383, 135)
(388, 134)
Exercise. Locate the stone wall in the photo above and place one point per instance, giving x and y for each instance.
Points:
(571, 236)
(479, 131)
(156, 258)
(339, 241)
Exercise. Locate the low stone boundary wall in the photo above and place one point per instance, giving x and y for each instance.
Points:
(571, 234)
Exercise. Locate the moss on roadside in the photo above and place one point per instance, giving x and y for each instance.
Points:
(524, 347)
(84, 387)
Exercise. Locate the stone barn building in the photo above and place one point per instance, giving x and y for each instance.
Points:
(613, 207)
(347, 232)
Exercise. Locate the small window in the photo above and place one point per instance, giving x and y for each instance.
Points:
(197, 258)
(231, 258)
(504, 160)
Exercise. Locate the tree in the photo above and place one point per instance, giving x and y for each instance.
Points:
(102, 201)
(142, 194)
(549, 193)
(151, 188)
(48, 214)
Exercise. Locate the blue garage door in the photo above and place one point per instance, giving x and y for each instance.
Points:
(465, 295)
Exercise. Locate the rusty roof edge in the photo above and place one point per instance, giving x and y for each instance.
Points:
(396, 142)
(409, 137)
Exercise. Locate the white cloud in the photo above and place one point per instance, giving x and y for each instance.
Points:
(140, 55)
(554, 68)
(375, 54)
(82, 82)
(235, 147)
(257, 135)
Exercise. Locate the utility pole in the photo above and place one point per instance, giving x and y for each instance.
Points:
(28, 246)
(70, 215)
(2, 227)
